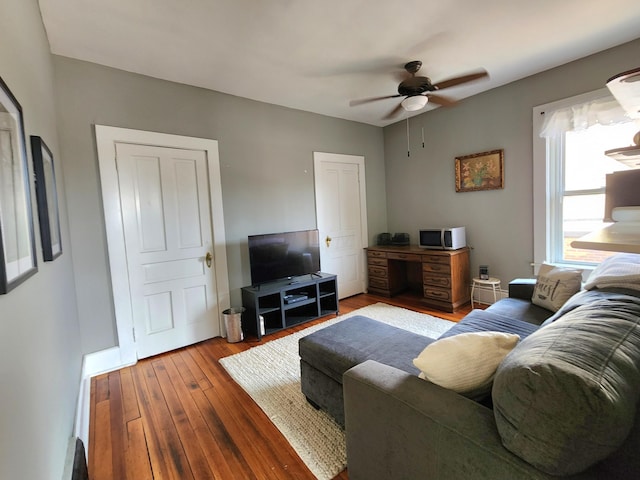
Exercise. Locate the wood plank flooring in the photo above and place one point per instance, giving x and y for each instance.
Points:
(180, 416)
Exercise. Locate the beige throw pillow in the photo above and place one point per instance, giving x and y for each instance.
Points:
(466, 362)
(555, 285)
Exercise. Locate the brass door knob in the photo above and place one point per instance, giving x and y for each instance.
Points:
(328, 241)
(208, 259)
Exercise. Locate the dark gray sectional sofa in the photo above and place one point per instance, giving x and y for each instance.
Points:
(328, 353)
(563, 402)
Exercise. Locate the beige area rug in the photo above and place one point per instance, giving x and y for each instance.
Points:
(270, 374)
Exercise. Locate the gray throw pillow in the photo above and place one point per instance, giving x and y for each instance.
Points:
(565, 397)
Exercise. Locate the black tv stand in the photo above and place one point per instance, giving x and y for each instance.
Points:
(292, 280)
(281, 304)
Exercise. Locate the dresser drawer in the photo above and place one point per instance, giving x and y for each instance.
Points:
(378, 283)
(442, 268)
(407, 257)
(436, 280)
(431, 258)
(375, 271)
(377, 261)
(376, 254)
(437, 293)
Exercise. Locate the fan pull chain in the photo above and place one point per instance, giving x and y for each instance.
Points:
(422, 137)
(408, 149)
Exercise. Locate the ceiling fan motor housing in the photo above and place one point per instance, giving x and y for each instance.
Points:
(413, 67)
(415, 86)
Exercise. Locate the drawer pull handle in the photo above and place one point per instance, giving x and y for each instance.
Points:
(437, 294)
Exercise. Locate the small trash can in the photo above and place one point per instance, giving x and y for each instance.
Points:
(233, 324)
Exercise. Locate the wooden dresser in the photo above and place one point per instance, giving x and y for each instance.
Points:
(441, 277)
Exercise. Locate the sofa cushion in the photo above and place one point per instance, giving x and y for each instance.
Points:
(555, 285)
(465, 363)
(335, 349)
(490, 321)
(523, 310)
(586, 297)
(565, 397)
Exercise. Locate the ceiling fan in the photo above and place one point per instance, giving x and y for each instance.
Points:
(418, 90)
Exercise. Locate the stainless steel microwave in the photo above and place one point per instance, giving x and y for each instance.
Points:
(451, 238)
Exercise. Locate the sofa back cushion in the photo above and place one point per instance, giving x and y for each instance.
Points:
(565, 397)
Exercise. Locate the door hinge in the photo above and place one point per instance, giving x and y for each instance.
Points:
(133, 331)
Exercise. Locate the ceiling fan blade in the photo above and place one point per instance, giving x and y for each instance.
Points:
(462, 79)
(440, 100)
(393, 112)
(354, 103)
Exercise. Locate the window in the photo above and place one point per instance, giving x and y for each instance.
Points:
(570, 167)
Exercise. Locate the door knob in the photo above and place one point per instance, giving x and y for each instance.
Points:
(328, 241)
(207, 259)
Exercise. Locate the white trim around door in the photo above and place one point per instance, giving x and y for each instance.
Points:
(106, 139)
(341, 215)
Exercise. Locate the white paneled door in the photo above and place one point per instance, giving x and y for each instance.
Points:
(341, 214)
(164, 194)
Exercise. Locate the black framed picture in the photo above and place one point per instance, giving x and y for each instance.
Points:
(47, 198)
(17, 247)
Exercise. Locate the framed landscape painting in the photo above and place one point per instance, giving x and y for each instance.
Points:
(480, 171)
(47, 198)
(17, 246)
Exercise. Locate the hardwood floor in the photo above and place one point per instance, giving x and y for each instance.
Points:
(180, 416)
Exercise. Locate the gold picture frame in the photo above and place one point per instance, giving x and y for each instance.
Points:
(480, 171)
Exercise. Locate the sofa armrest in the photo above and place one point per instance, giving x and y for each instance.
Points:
(522, 288)
(400, 426)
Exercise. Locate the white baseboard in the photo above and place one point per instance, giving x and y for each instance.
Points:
(94, 364)
(83, 412)
(68, 462)
(102, 362)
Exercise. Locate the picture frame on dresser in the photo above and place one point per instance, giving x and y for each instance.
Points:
(47, 199)
(17, 246)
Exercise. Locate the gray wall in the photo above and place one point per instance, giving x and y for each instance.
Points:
(266, 156)
(40, 358)
(421, 188)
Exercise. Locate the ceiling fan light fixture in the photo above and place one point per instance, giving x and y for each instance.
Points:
(416, 102)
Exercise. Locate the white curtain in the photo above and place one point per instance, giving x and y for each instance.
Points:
(603, 111)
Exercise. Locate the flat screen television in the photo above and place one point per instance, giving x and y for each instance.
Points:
(277, 256)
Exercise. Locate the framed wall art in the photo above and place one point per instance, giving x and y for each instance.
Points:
(47, 199)
(480, 171)
(17, 246)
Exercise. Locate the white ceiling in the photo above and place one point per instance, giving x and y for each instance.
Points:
(318, 55)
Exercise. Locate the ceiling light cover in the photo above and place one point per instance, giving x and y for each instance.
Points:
(411, 104)
(626, 88)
